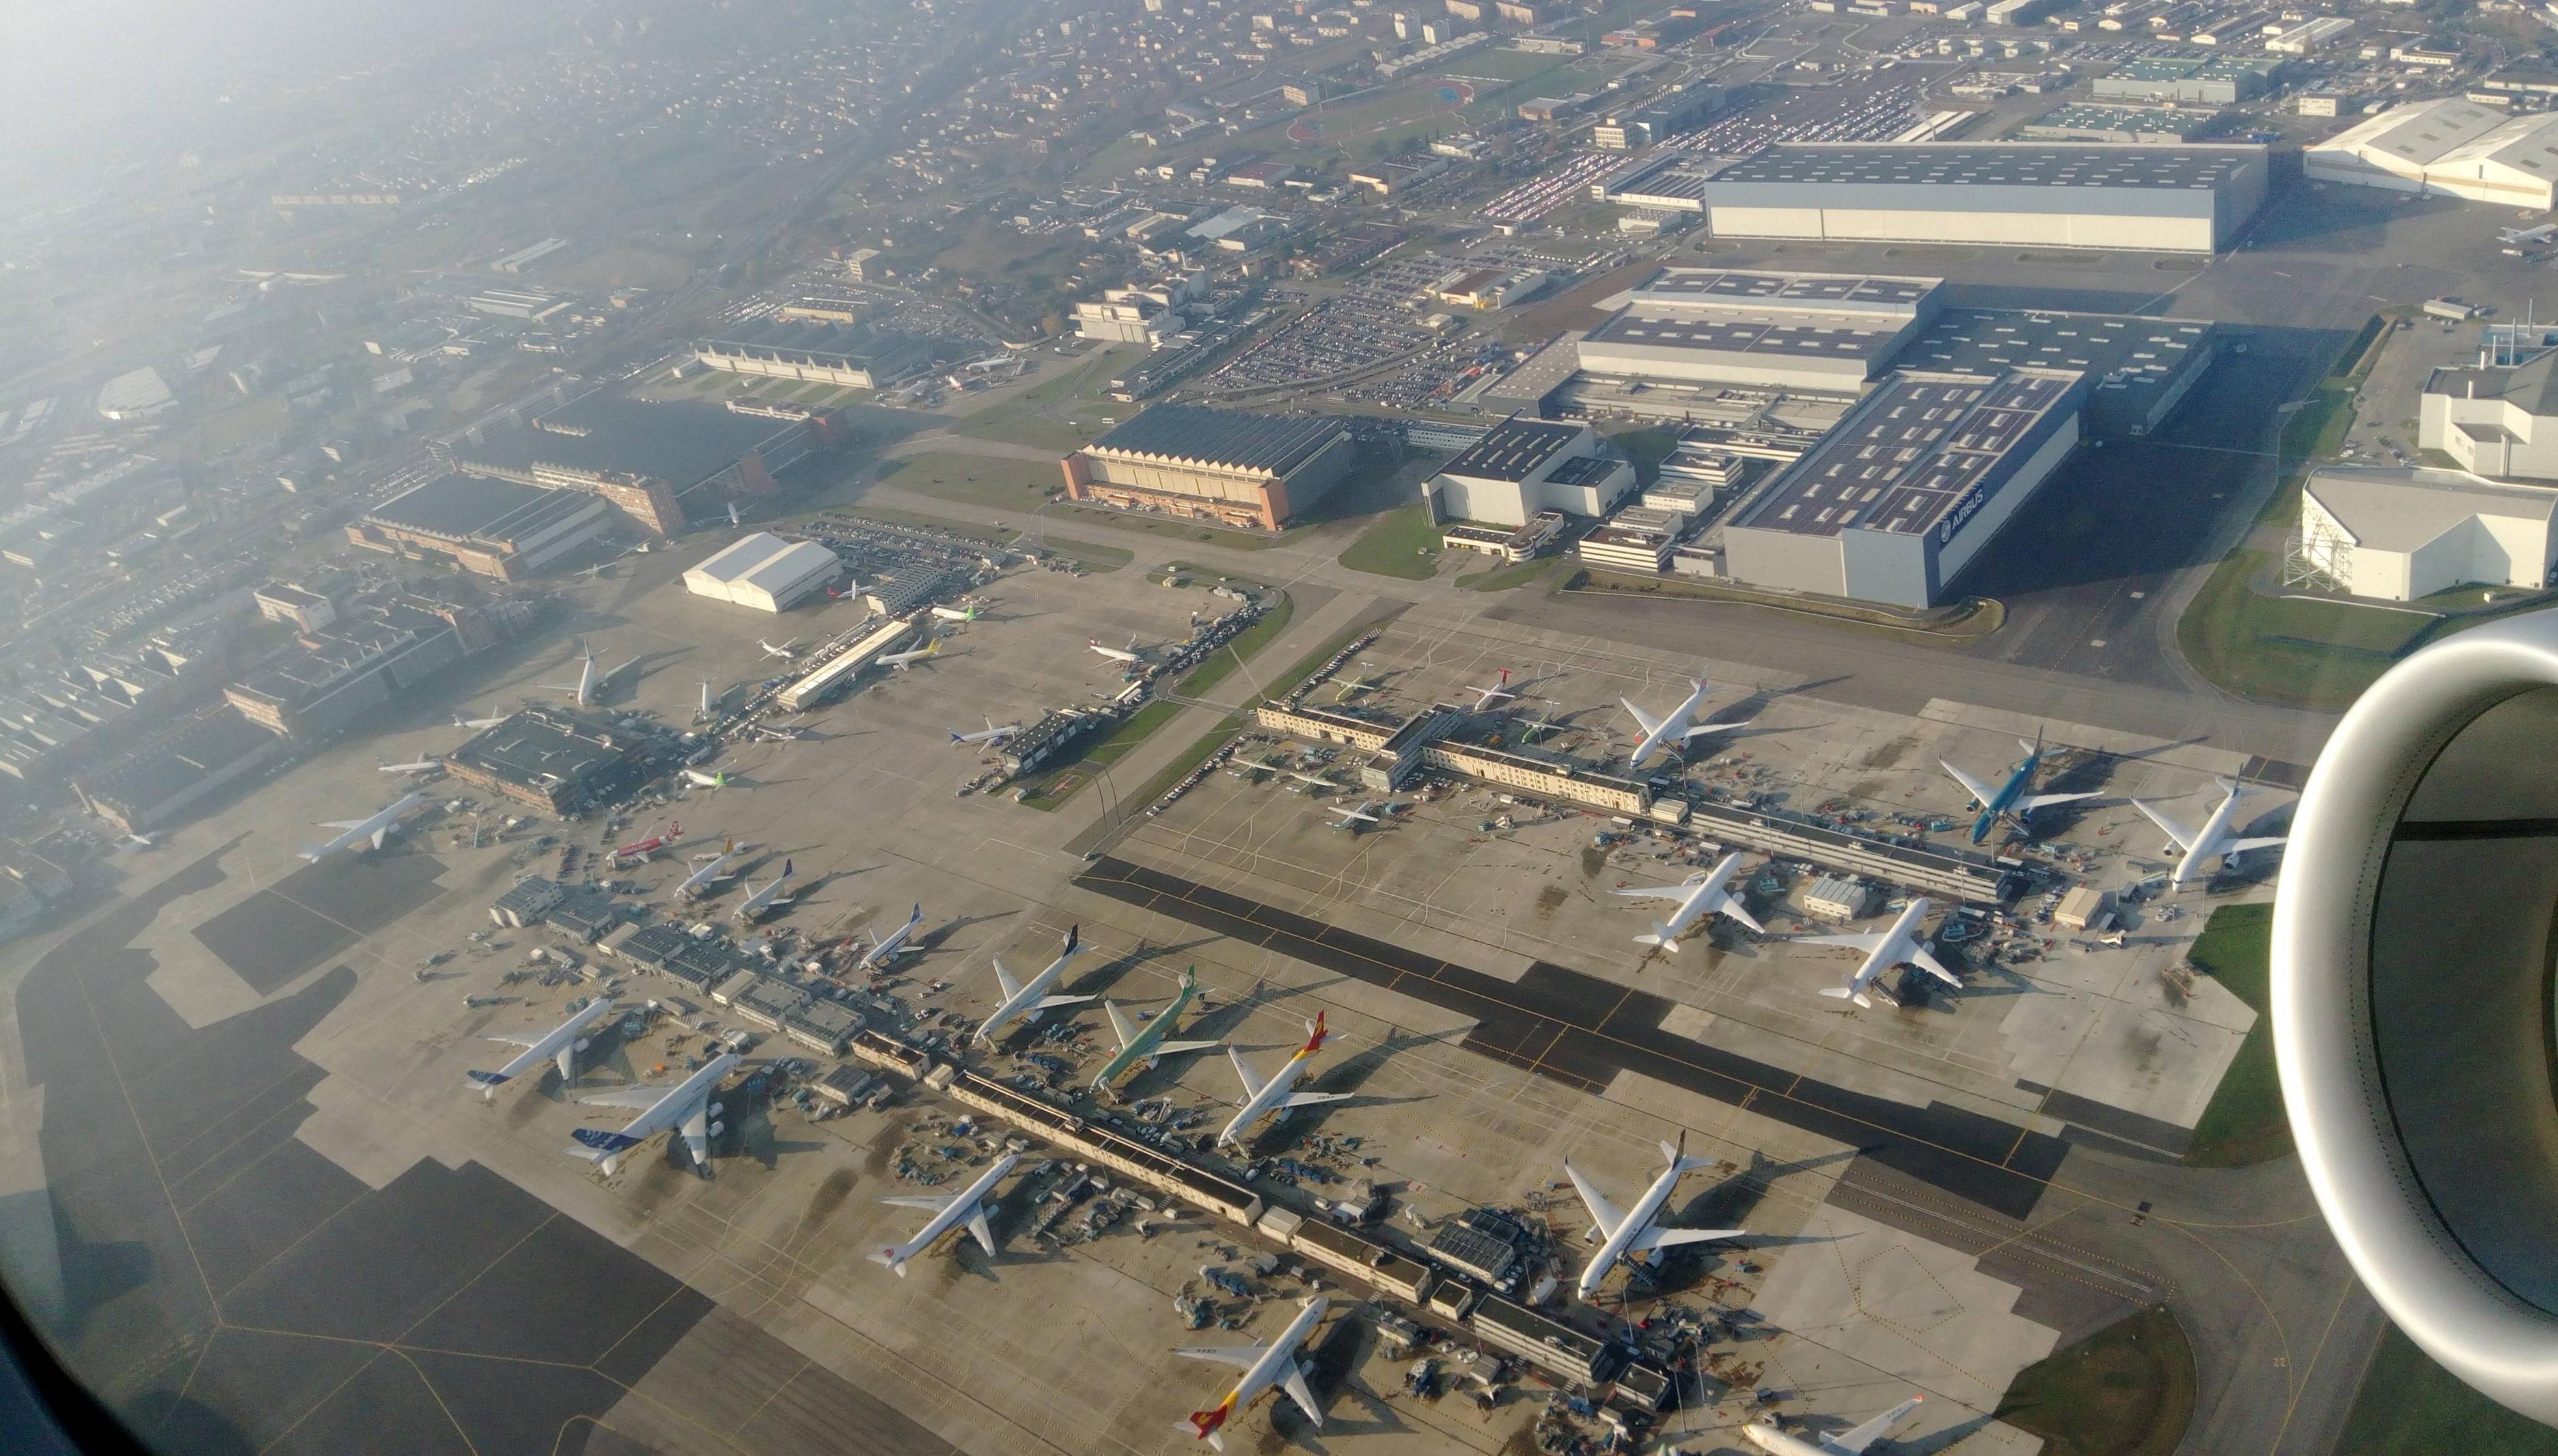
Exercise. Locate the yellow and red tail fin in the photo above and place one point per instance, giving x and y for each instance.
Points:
(1315, 1041)
(1206, 1423)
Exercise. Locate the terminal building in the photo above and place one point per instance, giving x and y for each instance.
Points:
(817, 352)
(2398, 534)
(1525, 467)
(484, 526)
(2181, 199)
(1219, 465)
(660, 463)
(1891, 505)
(2451, 146)
(559, 761)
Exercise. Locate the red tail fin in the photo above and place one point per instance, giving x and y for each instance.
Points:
(1208, 1421)
(1314, 1042)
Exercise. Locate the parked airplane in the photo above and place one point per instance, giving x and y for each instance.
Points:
(1484, 698)
(461, 721)
(1352, 818)
(756, 902)
(967, 1208)
(1117, 655)
(1883, 949)
(713, 871)
(1031, 996)
(561, 1043)
(686, 1107)
(2212, 841)
(1276, 1099)
(887, 950)
(700, 779)
(589, 681)
(370, 831)
(134, 841)
(1264, 1367)
(418, 770)
(1676, 728)
(2009, 801)
(957, 614)
(1701, 896)
(992, 735)
(900, 662)
(1635, 1232)
(2523, 237)
(1146, 1044)
(647, 846)
(1851, 1442)
(791, 732)
(788, 650)
(704, 713)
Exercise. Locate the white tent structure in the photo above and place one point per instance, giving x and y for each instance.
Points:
(764, 572)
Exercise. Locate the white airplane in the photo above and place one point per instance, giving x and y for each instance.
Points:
(1312, 781)
(1675, 729)
(756, 902)
(711, 873)
(1275, 1096)
(967, 1207)
(134, 841)
(700, 779)
(886, 951)
(1634, 1234)
(1883, 949)
(562, 1042)
(1852, 1442)
(788, 650)
(686, 1106)
(1029, 996)
(370, 831)
(2212, 841)
(791, 732)
(900, 662)
(992, 734)
(589, 681)
(2521, 236)
(1701, 896)
(1117, 655)
(462, 720)
(1484, 698)
(1264, 1367)
(1352, 818)
(417, 769)
(957, 614)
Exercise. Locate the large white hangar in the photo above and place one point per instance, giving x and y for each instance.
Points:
(2152, 199)
(2450, 146)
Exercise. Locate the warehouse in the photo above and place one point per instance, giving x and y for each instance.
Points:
(2453, 147)
(2188, 80)
(1526, 466)
(764, 572)
(2191, 199)
(2403, 532)
(1223, 466)
(2139, 369)
(1964, 452)
(1793, 331)
(819, 352)
(659, 462)
(2123, 125)
(2490, 418)
(484, 526)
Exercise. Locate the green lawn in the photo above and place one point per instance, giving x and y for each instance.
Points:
(1183, 762)
(1001, 484)
(1252, 640)
(1060, 411)
(2411, 1406)
(2245, 1122)
(1401, 542)
(2126, 1391)
(2312, 654)
(1503, 578)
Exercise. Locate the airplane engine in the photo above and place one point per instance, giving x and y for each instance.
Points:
(582, 1044)
(717, 1128)
(715, 1109)
(2415, 1014)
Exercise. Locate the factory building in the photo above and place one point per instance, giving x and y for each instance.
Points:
(484, 526)
(2122, 125)
(2404, 532)
(140, 790)
(1222, 465)
(2451, 146)
(2186, 81)
(2496, 421)
(2139, 369)
(765, 572)
(1891, 503)
(660, 463)
(559, 761)
(1527, 466)
(1795, 330)
(817, 352)
(2190, 198)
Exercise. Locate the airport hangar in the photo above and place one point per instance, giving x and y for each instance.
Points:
(2157, 198)
(818, 351)
(1223, 466)
(661, 463)
(484, 526)
(765, 572)
(2451, 146)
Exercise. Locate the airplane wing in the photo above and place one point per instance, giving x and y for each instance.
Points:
(341, 825)
(1119, 1025)
(2241, 846)
(2046, 801)
(1294, 1382)
(1867, 942)
(1650, 725)
(515, 1038)
(1731, 906)
(926, 1202)
(1853, 1441)
(1308, 1099)
(639, 1098)
(1981, 792)
(1658, 1236)
(1051, 1003)
(1604, 1214)
(1241, 1357)
(2183, 837)
(980, 1231)
(697, 1133)
(1167, 1049)
(1934, 967)
(1004, 978)
(1657, 892)
(1251, 1083)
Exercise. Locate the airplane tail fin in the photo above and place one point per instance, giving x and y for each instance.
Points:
(894, 1259)
(1315, 1033)
(1203, 1425)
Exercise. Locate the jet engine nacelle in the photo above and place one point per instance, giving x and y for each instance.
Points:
(582, 1044)
(2414, 1012)
(718, 1128)
(715, 1109)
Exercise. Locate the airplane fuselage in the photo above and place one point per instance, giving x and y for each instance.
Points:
(881, 953)
(2195, 863)
(608, 1149)
(1899, 944)
(1262, 1104)
(366, 830)
(565, 1038)
(1149, 1037)
(1674, 729)
(896, 1255)
(1636, 1220)
(1033, 991)
(2002, 803)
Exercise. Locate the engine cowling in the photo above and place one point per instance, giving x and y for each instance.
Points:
(2415, 1001)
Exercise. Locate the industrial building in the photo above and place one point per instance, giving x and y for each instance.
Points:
(2451, 146)
(2398, 534)
(2495, 419)
(817, 352)
(2122, 125)
(2139, 368)
(484, 526)
(1148, 313)
(2185, 199)
(560, 762)
(660, 463)
(2186, 81)
(1891, 503)
(1527, 466)
(1223, 466)
(1801, 330)
(765, 572)
(157, 781)
(381, 646)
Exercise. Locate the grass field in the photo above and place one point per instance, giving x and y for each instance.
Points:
(1055, 787)
(1060, 411)
(1185, 760)
(1001, 484)
(2126, 1391)
(2410, 1406)
(2245, 1122)
(1401, 542)
(1503, 578)
(2312, 654)
(1252, 640)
